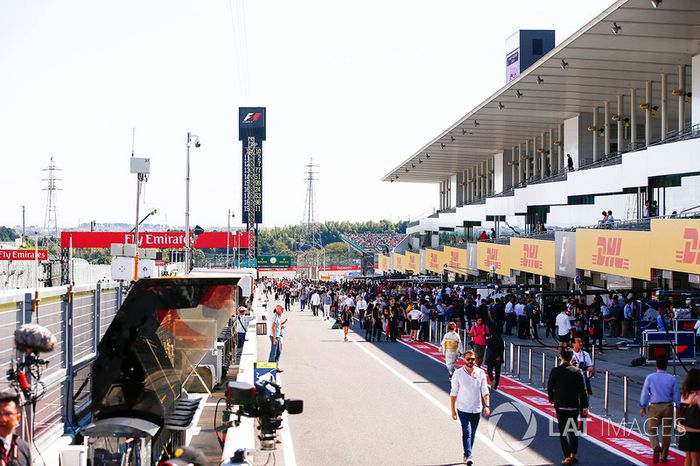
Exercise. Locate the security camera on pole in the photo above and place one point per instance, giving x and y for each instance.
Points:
(191, 139)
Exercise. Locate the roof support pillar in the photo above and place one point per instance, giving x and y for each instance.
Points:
(664, 105)
(633, 117)
(521, 163)
(460, 188)
(472, 187)
(480, 181)
(534, 158)
(543, 157)
(550, 152)
(527, 160)
(606, 128)
(647, 113)
(619, 123)
(681, 98)
(595, 133)
(560, 147)
(513, 161)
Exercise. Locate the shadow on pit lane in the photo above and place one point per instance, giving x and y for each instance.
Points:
(514, 428)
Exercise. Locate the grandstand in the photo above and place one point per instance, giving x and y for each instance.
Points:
(605, 121)
(373, 243)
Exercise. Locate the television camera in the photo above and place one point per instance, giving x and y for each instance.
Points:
(263, 401)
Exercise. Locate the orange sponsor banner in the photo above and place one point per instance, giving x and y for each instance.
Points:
(494, 257)
(617, 252)
(456, 260)
(398, 262)
(676, 245)
(533, 255)
(412, 263)
(433, 261)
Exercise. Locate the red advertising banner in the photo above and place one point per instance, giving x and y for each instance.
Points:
(157, 240)
(23, 254)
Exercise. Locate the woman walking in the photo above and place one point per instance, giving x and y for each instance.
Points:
(451, 347)
(479, 332)
(689, 418)
(367, 321)
(346, 318)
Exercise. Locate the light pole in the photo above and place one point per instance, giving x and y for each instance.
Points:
(191, 138)
(228, 236)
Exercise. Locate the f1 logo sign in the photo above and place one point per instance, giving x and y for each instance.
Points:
(252, 117)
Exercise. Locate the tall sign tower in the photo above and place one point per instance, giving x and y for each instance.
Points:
(251, 131)
(50, 215)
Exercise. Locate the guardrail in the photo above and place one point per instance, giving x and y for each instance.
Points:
(529, 364)
(78, 317)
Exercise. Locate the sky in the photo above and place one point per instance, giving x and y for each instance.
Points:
(357, 86)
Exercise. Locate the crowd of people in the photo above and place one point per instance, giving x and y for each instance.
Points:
(376, 242)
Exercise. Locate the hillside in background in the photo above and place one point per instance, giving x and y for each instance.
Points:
(7, 234)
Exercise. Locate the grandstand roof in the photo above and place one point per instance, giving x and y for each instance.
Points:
(601, 66)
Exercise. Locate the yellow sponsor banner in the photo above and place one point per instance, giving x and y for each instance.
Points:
(456, 260)
(399, 262)
(533, 255)
(412, 262)
(676, 245)
(617, 252)
(492, 256)
(383, 262)
(433, 260)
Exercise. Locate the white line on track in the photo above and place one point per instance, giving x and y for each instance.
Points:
(510, 459)
(546, 416)
(287, 444)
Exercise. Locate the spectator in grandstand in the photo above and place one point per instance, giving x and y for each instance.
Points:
(603, 220)
(469, 387)
(493, 233)
(609, 220)
(451, 347)
(569, 163)
(659, 393)
(483, 236)
(567, 392)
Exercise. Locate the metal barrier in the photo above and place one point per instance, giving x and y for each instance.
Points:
(78, 317)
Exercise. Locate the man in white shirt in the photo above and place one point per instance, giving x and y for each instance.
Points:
(315, 302)
(583, 361)
(360, 307)
(522, 319)
(564, 328)
(510, 316)
(469, 386)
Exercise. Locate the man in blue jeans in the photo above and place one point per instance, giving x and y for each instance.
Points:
(276, 326)
(469, 386)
